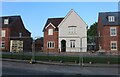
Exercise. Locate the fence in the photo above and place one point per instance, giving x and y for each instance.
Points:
(27, 48)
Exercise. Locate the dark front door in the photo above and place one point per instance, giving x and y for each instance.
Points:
(63, 46)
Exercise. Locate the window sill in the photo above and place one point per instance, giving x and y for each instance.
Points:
(50, 48)
(113, 35)
(113, 49)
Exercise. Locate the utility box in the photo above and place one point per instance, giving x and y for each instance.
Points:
(16, 46)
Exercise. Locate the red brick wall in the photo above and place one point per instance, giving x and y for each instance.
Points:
(118, 33)
(53, 37)
(106, 39)
(6, 39)
(14, 31)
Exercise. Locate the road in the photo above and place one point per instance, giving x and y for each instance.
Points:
(22, 68)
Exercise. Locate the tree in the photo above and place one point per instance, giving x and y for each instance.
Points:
(91, 33)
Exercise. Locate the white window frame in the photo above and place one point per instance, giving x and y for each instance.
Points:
(111, 18)
(72, 30)
(113, 44)
(50, 44)
(113, 33)
(6, 21)
(2, 45)
(50, 31)
(3, 33)
(72, 44)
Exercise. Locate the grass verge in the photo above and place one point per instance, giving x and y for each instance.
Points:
(75, 59)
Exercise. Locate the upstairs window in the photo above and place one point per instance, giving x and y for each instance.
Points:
(6, 21)
(111, 18)
(50, 31)
(113, 31)
(2, 33)
(72, 30)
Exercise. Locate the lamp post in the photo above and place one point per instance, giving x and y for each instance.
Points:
(33, 50)
(81, 50)
(82, 60)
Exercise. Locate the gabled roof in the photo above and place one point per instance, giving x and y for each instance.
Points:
(11, 19)
(54, 21)
(104, 18)
(68, 14)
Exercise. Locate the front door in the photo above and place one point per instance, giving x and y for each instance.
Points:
(63, 46)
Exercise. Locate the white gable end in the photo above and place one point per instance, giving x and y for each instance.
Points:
(72, 15)
(73, 20)
(49, 25)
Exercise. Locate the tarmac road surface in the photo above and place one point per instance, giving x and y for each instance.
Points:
(21, 68)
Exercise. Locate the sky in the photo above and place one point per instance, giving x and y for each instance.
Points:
(35, 14)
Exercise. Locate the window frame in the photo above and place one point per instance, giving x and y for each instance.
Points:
(113, 46)
(111, 18)
(72, 30)
(111, 32)
(2, 45)
(50, 31)
(6, 21)
(3, 33)
(50, 44)
(72, 44)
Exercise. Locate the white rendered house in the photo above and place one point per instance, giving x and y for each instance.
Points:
(68, 34)
(72, 33)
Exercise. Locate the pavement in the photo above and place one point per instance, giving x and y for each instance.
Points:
(63, 64)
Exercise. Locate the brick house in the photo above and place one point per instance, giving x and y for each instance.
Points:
(12, 32)
(39, 44)
(109, 31)
(63, 34)
(53, 36)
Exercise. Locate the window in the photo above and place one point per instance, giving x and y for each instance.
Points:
(72, 29)
(50, 31)
(2, 33)
(111, 18)
(2, 44)
(113, 45)
(72, 43)
(50, 44)
(6, 21)
(113, 31)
